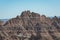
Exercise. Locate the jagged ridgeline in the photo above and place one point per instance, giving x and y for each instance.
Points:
(30, 26)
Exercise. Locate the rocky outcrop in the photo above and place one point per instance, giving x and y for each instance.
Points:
(31, 26)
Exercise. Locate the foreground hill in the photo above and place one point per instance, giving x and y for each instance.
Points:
(31, 26)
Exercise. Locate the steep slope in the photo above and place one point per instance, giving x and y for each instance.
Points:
(31, 26)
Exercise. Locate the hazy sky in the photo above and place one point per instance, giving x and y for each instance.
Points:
(12, 8)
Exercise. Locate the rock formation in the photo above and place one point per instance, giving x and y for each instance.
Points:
(31, 26)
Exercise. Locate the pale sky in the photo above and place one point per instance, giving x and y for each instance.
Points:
(12, 8)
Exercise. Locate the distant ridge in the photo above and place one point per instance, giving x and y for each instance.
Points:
(4, 20)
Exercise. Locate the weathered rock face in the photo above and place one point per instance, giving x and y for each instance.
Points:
(31, 26)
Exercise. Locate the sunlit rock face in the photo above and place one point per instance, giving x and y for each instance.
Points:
(31, 26)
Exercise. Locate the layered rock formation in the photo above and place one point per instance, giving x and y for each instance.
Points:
(31, 26)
